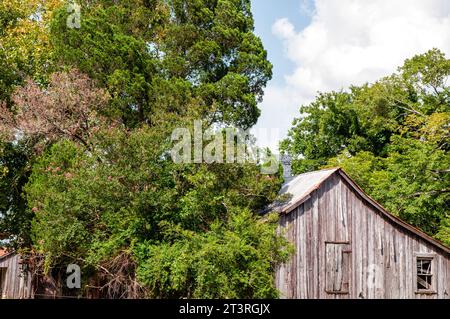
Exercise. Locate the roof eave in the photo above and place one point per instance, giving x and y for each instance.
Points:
(372, 202)
(392, 217)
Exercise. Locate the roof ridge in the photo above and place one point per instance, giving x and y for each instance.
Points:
(334, 169)
(303, 190)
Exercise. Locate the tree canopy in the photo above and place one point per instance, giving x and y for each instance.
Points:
(156, 56)
(86, 117)
(390, 136)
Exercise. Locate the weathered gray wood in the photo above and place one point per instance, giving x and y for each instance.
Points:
(15, 283)
(380, 254)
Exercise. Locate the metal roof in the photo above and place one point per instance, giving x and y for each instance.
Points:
(299, 188)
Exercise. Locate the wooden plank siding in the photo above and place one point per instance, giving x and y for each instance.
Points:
(14, 283)
(382, 253)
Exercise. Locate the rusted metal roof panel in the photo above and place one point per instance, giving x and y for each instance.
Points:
(300, 187)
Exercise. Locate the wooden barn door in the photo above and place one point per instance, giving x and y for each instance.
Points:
(337, 270)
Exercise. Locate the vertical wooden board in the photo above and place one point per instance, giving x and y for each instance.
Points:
(355, 243)
(16, 277)
(5, 283)
(379, 256)
(416, 247)
(336, 208)
(447, 289)
(314, 244)
(440, 277)
(12, 278)
(446, 262)
(403, 273)
(331, 212)
(388, 273)
(29, 292)
(342, 231)
(299, 252)
(294, 258)
(362, 244)
(409, 265)
(292, 272)
(321, 240)
(349, 212)
(364, 247)
(420, 246)
(396, 257)
(370, 286)
(309, 252)
(306, 207)
(330, 262)
(329, 227)
(347, 266)
(289, 263)
(337, 259)
(399, 250)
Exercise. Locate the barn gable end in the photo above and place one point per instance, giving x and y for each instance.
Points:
(348, 246)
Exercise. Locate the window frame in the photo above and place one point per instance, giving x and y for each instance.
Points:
(426, 256)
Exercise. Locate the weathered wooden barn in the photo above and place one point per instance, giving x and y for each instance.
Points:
(349, 246)
(15, 281)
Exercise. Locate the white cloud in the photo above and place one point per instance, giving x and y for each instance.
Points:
(352, 42)
(358, 41)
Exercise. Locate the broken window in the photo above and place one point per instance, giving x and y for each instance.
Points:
(424, 274)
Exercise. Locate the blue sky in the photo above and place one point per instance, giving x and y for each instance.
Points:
(266, 13)
(324, 45)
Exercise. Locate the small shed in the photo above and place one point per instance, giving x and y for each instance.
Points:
(15, 281)
(349, 246)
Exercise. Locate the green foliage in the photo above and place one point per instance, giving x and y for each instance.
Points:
(25, 49)
(107, 196)
(183, 51)
(235, 259)
(15, 217)
(24, 52)
(120, 197)
(391, 137)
